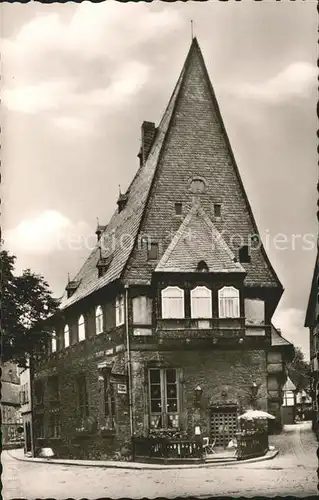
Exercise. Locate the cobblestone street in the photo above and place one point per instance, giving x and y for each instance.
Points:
(292, 472)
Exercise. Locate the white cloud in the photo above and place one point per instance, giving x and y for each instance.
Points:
(291, 322)
(47, 232)
(296, 80)
(50, 59)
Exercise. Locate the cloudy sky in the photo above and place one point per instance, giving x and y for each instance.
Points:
(79, 79)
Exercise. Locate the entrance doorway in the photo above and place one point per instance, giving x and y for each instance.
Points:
(224, 425)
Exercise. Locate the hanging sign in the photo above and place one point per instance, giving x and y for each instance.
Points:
(121, 389)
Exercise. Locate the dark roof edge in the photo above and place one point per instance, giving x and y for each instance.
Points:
(309, 318)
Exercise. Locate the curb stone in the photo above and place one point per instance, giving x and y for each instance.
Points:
(142, 466)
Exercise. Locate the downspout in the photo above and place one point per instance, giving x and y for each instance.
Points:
(32, 426)
(129, 369)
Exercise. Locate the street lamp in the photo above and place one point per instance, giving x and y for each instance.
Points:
(254, 390)
(198, 394)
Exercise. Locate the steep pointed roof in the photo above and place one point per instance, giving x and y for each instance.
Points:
(289, 385)
(198, 240)
(205, 147)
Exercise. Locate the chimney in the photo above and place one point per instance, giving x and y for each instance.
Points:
(148, 132)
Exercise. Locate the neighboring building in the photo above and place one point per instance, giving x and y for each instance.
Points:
(312, 322)
(26, 408)
(303, 405)
(167, 326)
(288, 408)
(10, 405)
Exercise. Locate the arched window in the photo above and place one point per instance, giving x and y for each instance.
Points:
(81, 328)
(66, 336)
(99, 320)
(228, 302)
(53, 342)
(201, 302)
(173, 302)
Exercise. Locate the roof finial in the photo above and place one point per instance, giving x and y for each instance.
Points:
(97, 221)
(68, 277)
(192, 29)
(119, 189)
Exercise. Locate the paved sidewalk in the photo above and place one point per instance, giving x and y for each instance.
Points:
(19, 455)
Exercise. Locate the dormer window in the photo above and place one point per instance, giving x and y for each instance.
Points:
(202, 267)
(103, 264)
(244, 254)
(71, 287)
(122, 201)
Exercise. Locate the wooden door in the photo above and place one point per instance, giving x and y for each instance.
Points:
(223, 425)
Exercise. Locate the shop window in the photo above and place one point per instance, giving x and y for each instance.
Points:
(173, 303)
(164, 398)
(228, 302)
(201, 302)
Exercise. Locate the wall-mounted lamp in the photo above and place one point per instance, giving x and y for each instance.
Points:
(254, 389)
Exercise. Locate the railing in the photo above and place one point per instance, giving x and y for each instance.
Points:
(251, 444)
(164, 448)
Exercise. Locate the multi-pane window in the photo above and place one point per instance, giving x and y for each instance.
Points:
(81, 328)
(82, 396)
(109, 400)
(254, 311)
(120, 310)
(54, 425)
(66, 334)
(173, 302)
(24, 394)
(288, 398)
(163, 398)
(201, 302)
(53, 342)
(228, 302)
(99, 319)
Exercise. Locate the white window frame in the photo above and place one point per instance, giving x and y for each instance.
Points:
(66, 336)
(254, 319)
(201, 298)
(120, 310)
(99, 320)
(53, 342)
(81, 328)
(228, 302)
(145, 305)
(167, 296)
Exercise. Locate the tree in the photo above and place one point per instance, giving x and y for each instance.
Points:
(298, 371)
(26, 305)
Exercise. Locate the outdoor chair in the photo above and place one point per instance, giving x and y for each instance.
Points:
(208, 446)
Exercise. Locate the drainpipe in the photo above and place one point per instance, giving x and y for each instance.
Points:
(32, 426)
(129, 369)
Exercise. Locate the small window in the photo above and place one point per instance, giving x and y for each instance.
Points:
(202, 267)
(54, 425)
(178, 208)
(38, 391)
(81, 328)
(109, 400)
(152, 251)
(66, 336)
(53, 342)
(120, 310)
(98, 320)
(244, 255)
(217, 210)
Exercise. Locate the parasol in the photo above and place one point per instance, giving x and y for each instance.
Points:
(255, 415)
